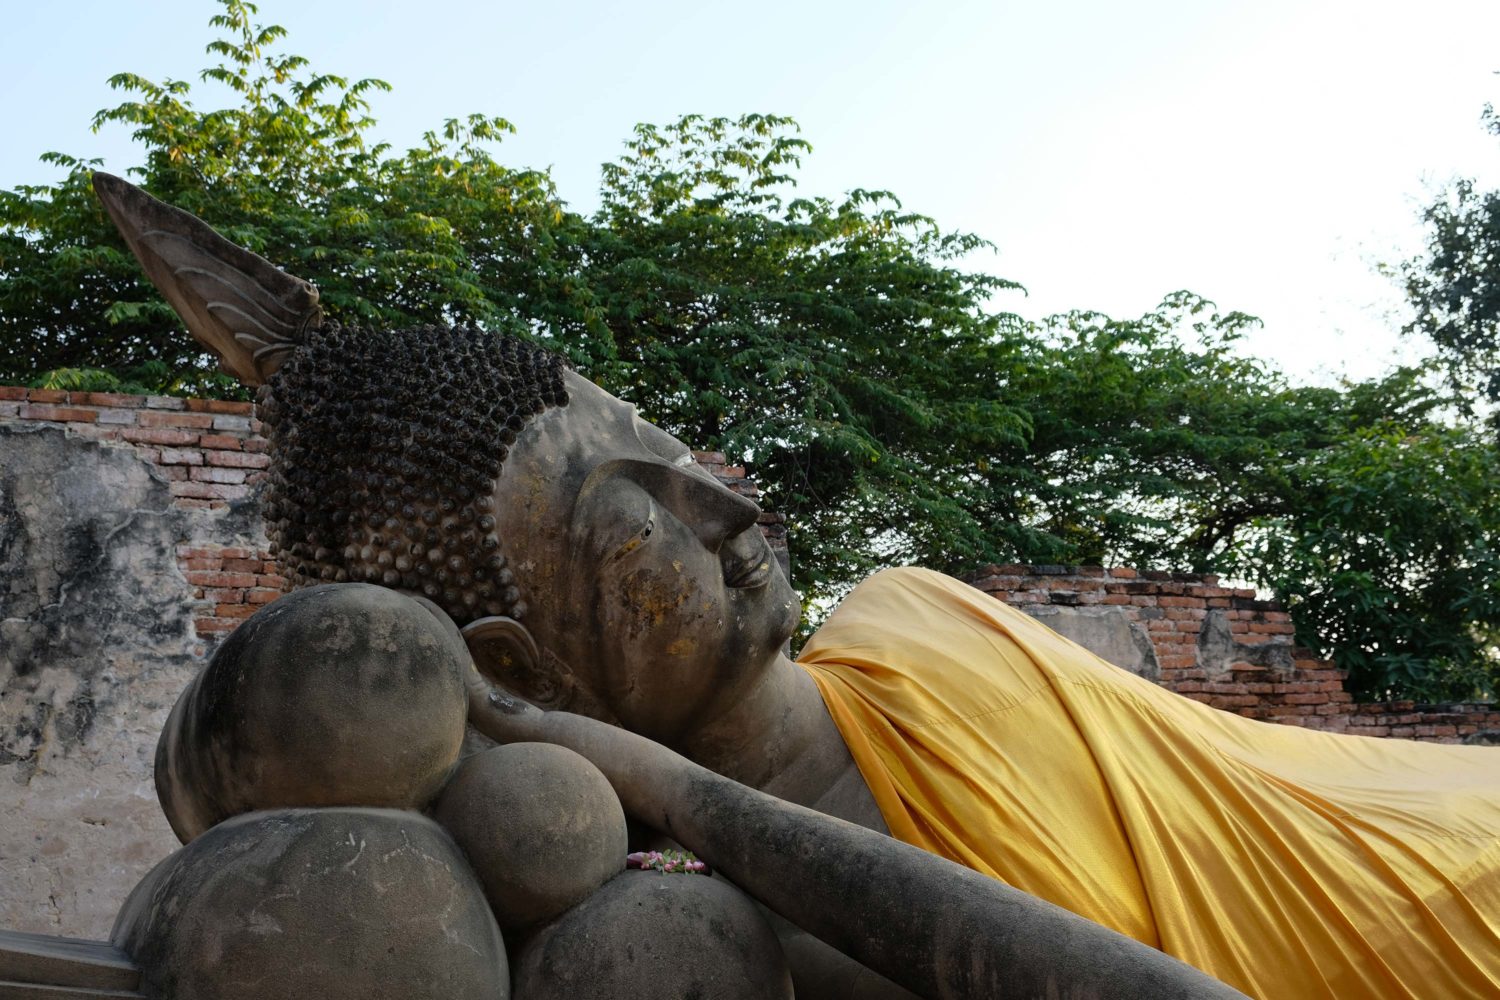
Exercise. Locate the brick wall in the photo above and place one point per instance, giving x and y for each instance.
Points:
(1223, 647)
(211, 453)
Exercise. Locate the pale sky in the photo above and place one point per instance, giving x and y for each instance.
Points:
(1267, 155)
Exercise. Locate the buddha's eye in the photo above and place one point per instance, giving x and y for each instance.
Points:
(684, 460)
(636, 540)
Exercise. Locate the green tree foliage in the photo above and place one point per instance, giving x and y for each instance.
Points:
(1386, 553)
(1454, 287)
(843, 347)
(440, 233)
(833, 344)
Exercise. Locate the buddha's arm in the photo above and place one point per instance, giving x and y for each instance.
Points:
(935, 927)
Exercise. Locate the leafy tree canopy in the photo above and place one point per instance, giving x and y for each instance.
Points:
(842, 346)
(1454, 287)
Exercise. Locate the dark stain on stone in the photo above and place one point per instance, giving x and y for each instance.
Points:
(77, 717)
(90, 587)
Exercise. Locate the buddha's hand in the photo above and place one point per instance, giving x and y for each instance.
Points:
(500, 715)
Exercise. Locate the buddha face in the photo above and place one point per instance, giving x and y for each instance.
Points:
(648, 582)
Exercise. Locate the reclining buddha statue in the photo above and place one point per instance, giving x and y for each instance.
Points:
(940, 797)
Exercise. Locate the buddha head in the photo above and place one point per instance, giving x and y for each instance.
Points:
(589, 562)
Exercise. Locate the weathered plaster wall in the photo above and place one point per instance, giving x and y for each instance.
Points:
(96, 640)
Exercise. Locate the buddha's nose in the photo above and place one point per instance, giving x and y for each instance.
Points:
(714, 511)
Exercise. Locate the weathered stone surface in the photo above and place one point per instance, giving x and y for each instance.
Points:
(339, 695)
(95, 643)
(540, 825)
(646, 935)
(1218, 650)
(1107, 633)
(321, 904)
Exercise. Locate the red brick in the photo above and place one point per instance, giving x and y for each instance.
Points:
(1123, 573)
(159, 435)
(12, 392)
(238, 460)
(209, 474)
(261, 595)
(121, 400)
(220, 580)
(1306, 699)
(210, 626)
(1272, 628)
(201, 564)
(1179, 602)
(1255, 639)
(1115, 599)
(242, 565)
(233, 610)
(1179, 614)
(94, 432)
(221, 442)
(47, 396)
(186, 551)
(181, 456)
(62, 414)
(200, 421)
(272, 581)
(165, 403)
(119, 418)
(210, 491)
(236, 552)
(259, 445)
(220, 406)
(1177, 661)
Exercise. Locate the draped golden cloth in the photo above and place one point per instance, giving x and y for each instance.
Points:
(1286, 862)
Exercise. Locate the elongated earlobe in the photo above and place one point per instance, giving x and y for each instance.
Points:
(506, 654)
(235, 303)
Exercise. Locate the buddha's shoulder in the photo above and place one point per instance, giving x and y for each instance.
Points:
(894, 596)
(913, 579)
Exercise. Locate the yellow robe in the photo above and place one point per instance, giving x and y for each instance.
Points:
(1286, 862)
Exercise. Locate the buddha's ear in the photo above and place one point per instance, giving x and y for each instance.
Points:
(506, 654)
(235, 303)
